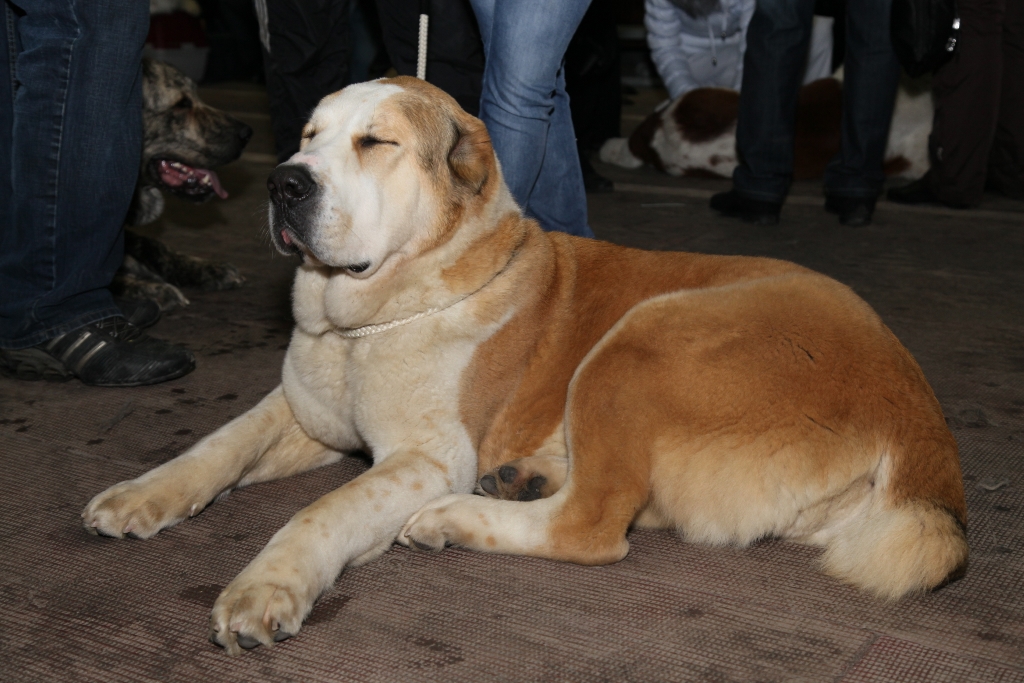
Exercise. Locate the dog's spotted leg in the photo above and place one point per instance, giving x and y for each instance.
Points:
(180, 269)
(268, 601)
(134, 281)
(530, 478)
(262, 444)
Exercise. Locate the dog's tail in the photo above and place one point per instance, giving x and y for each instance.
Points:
(912, 536)
(616, 151)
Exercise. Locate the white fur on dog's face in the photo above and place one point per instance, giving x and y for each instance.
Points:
(370, 203)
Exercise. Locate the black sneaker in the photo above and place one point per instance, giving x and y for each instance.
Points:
(854, 212)
(917, 192)
(110, 353)
(735, 205)
(142, 313)
(920, 192)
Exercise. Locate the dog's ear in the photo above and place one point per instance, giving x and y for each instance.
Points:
(471, 157)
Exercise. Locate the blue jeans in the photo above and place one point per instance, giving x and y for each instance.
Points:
(526, 109)
(70, 146)
(777, 41)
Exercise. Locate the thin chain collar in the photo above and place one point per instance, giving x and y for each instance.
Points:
(367, 330)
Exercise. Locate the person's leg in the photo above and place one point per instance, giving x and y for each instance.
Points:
(455, 55)
(308, 59)
(777, 43)
(526, 109)
(594, 84)
(1006, 161)
(70, 143)
(967, 93)
(871, 77)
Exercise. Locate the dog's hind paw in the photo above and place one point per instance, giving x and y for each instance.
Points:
(525, 479)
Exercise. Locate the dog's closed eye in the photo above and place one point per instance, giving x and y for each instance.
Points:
(368, 141)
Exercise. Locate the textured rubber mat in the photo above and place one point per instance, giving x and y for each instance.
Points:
(79, 608)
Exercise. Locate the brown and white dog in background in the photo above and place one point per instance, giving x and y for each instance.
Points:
(695, 134)
(184, 139)
(437, 328)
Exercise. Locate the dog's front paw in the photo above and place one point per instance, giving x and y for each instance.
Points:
(436, 524)
(137, 509)
(220, 276)
(261, 606)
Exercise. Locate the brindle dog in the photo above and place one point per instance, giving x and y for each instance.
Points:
(183, 140)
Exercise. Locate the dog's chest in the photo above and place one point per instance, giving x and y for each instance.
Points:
(397, 389)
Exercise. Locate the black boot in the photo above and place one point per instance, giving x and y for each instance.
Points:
(735, 205)
(852, 211)
(917, 192)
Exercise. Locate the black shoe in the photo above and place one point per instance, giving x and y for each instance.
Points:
(917, 192)
(853, 211)
(110, 353)
(142, 313)
(735, 205)
(32, 364)
(1009, 187)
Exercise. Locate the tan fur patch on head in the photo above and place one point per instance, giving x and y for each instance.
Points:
(454, 150)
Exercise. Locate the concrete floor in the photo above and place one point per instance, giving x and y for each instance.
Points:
(79, 608)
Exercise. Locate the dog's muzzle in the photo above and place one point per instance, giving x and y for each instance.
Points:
(290, 185)
(292, 189)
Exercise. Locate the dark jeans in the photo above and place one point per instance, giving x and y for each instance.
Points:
(526, 109)
(70, 145)
(455, 52)
(978, 134)
(308, 60)
(777, 42)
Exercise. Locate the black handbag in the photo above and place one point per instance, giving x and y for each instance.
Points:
(924, 33)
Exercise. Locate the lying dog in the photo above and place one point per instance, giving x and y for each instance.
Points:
(729, 398)
(695, 134)
(184, 139)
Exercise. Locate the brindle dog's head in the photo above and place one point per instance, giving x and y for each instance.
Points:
(183, 140)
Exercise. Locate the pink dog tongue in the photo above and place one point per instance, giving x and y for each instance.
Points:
(205, 175)
(176, 174)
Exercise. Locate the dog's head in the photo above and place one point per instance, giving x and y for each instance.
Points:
(184, 139)
(386, 169)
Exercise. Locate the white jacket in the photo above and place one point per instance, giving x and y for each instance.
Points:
(693, 53)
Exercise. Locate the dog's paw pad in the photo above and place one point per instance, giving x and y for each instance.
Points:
(246, 642)
(508, 474)
(533, 489)
(515, 482)
(489, 485)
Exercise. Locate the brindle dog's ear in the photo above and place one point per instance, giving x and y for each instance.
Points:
(471, 157)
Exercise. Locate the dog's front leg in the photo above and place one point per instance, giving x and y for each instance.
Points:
(268, 601)
(265, 443)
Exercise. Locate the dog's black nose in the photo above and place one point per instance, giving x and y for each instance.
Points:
(244, 132)
(290, 184)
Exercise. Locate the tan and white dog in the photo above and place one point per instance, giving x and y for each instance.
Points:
(729, 398)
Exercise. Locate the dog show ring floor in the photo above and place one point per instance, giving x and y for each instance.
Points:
(81, 608)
